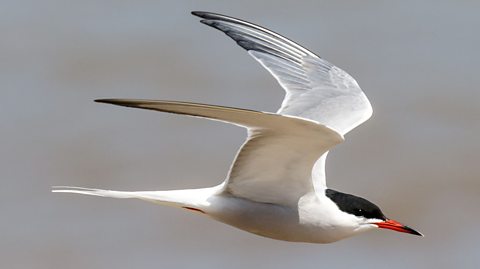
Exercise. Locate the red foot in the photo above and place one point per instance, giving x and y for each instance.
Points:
(194, 209)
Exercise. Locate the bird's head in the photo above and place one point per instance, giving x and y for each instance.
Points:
(366, 212)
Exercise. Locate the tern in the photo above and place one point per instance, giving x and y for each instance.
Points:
(276, 185)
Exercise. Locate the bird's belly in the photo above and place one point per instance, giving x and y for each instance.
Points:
(269, 220)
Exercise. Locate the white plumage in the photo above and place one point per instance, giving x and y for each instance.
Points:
(276, 185)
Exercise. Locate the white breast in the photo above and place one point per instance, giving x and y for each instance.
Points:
(315, 220)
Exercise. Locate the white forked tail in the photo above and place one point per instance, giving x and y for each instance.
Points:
(195, 199)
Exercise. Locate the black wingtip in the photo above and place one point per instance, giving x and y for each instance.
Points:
(118, 102)
(106, 101)
(197, 13)
(210, 15)
(201, 14)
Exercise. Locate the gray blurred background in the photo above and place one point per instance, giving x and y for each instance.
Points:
(418, 157)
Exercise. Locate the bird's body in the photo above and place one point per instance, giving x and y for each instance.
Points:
(314, 218)
(276, 186)
(308, 221)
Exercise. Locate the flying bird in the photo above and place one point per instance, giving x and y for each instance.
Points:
(276, 185)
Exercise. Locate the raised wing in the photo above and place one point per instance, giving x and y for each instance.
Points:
(315, 89)
(274, 164)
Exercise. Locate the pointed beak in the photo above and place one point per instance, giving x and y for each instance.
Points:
(397, 226)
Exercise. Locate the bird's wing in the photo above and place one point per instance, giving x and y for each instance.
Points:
(315, 89)
(274, 164)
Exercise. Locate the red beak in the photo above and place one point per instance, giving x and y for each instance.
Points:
(397, 226)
